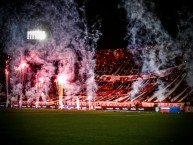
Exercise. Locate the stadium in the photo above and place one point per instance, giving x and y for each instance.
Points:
(55, 60)
(116, 74)
(51, 60)
(93, 72)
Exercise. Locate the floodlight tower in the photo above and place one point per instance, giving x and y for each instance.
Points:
(36, 35)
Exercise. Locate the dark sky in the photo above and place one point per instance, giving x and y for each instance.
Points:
(113, 18)
(113, 22)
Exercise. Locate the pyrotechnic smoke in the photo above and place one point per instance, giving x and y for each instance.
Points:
(135, 88)
(68, 50)
(185, 42)
(161, 94)
(147, 38)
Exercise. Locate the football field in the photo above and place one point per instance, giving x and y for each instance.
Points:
(73, 127)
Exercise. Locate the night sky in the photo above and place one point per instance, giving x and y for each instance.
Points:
(112, 17)
(114, 20)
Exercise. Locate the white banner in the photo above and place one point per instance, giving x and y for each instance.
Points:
(161, 73)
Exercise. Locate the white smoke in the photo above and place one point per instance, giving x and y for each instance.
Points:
(149, 39)
(135, 88)
(69, 48)
(162, 91)
(185, 42)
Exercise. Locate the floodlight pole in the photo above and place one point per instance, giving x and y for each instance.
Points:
(7, 85)
(7, 82)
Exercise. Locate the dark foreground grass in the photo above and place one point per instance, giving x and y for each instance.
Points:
(62, 127)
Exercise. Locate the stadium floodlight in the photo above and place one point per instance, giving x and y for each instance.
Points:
(36, 35)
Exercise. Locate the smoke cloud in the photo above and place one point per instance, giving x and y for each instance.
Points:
(148, 39)
(185, 41)
(69, 48)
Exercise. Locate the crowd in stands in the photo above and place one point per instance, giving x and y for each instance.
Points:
(115, 62)
(120, 62)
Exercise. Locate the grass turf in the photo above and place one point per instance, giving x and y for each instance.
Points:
(64, 127)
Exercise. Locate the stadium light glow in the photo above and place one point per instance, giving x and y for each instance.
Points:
(36, 35)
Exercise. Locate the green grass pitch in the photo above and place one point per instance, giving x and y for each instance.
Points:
(73, 127)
